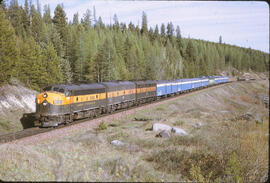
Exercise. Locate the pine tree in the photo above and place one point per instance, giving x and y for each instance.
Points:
(26, 18)
(3, 6)
(190, 50)
(32, 70)
(14, 14)
(170, 30)
(116, 25)
(66, 71)
(144, 29)
(220, 40)
(9, 52)
(51, 63)
(36, 24)
(75, 19)
(156, 32)
(86, 20)
(60, 22)
(47, 14)
(131, 27)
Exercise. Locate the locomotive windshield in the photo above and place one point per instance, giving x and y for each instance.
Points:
(48, 88)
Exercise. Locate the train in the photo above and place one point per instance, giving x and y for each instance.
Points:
(64, 103)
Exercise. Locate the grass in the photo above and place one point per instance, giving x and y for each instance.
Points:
(102, 126)
(179, 123)
(5, 124)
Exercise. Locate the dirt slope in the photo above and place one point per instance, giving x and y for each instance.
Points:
(15, 100)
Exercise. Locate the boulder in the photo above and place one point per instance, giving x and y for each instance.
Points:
(164, 134)
(258, 120)
(159, 127)
(117, 143)
(179, 131)
(247, 116)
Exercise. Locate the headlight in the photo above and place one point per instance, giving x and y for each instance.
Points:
(45, 95)
(57, 102)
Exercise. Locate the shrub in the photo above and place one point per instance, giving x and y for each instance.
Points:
(102, 126)
(232, 171)
(5, 124)
(196, 175)
(175, 161)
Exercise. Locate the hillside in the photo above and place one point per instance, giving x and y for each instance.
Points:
(16, 105)
(226, 138)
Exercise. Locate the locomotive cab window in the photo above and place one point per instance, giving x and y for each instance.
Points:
(61, 90)
(55, 89)
(48, 88)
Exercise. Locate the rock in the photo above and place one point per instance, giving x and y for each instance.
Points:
(117, 143)
(164, 134)
(197, 125)
(179, 131)
(248, 116)
(258, 120)
(159, 126)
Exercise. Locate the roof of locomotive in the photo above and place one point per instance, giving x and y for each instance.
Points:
(145, 82)
(75, 87)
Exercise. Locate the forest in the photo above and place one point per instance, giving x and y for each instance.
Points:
(39, 49)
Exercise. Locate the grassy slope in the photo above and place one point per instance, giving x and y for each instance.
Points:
(225, 144)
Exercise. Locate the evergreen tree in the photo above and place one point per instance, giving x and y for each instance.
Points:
(116, 25)
(156, 32)
(131, 27)
(220, 40)
(26, 18)
(51, 63)
(47, 14)
(36, 24)
(60, 22)
(86, 20)
(75, 19)
(15, 15)
(170, 30)
(3, 5)
(9, 52)
(144, 29)
(32, 70)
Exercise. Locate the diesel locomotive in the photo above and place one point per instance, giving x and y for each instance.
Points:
(61, 103)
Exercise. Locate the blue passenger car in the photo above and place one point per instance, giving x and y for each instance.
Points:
(174, 86)
(163, 88)
(186, 84)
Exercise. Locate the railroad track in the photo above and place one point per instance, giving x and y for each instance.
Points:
(36, 130)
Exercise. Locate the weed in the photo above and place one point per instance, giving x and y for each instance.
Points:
(183, 140)
(102, 126)
(5, 124)
(197, 176)
(119, 136)
(179, 123)
(233, 170)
